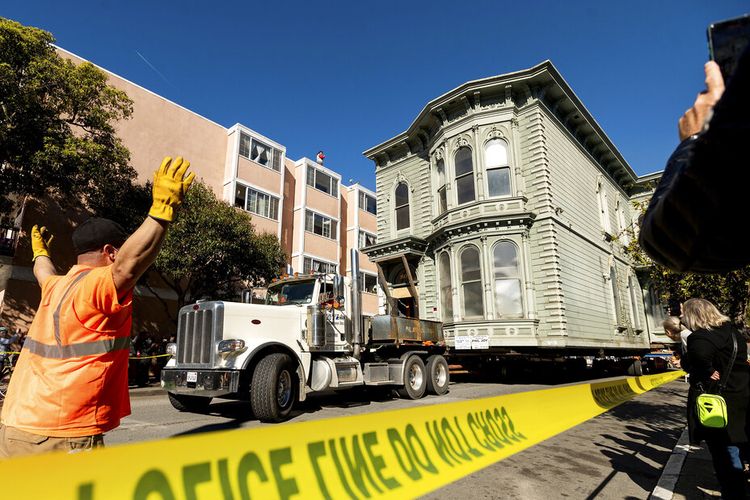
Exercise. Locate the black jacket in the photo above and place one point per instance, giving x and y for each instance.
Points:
(698, 217)
(711, 350)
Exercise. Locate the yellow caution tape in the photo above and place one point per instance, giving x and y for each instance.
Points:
(149, 357)
(9, 352)
(394, 454)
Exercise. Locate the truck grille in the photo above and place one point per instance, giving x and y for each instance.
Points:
(197, 334)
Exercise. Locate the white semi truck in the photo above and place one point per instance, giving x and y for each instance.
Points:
(309, 336)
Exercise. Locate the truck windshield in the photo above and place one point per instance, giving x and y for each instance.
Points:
(298, 292)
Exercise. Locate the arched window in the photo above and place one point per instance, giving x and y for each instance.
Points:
(634, 296)
(446, 295)
(471, 283)
(442, 197)
(464, 175)
(496, 164)
(508, 301)
(402, 206)
(615, 295)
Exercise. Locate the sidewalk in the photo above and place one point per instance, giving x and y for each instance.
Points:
(688, 475)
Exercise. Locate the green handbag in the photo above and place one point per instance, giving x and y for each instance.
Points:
(712, 408)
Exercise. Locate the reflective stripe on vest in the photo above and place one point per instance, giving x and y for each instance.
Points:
(56, 314)
(76, 350)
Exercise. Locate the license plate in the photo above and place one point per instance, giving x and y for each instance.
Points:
(192, 377)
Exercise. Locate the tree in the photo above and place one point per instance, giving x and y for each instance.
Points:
(730, 292)
(57, 119)
(212, 250)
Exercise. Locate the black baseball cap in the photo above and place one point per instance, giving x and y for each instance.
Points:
(96, 232)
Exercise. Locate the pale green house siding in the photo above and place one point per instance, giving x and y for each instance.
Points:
(566, 215)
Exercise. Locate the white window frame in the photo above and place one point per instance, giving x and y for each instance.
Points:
(446, 289)
(246, 206)
(363, 197)
(603, 202)
(463, 283)
(471, 173)
(406, 205)
(442, 186)
(363, 275)
(499, 166)
(325, 222)
(312, 181)
(518, 278)
(362, 239)
(274, 160)
(330, 267)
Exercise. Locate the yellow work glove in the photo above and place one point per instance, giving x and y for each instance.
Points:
(170, 186)
(41, 239)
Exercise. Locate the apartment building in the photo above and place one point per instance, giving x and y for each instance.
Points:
(302, 202)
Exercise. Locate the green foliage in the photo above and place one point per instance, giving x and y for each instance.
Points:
(212, 250)
(57, 119)
(729, 291)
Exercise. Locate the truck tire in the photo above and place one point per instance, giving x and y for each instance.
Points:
(635, 368)
(438, 376)
(415, 379)
(188, 403)
(273, 389)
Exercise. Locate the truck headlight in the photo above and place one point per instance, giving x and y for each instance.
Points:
(172, 349)
(232, 345)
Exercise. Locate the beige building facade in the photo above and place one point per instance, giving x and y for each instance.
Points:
(301, 202)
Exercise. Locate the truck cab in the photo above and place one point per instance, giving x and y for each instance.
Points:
(308, 336)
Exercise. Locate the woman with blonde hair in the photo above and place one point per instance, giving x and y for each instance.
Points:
(718, 355)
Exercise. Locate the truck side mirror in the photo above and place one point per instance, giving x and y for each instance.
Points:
(338, 286)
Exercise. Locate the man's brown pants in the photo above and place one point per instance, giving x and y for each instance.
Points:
(15, 443)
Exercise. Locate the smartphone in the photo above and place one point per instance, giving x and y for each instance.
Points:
(727, 40)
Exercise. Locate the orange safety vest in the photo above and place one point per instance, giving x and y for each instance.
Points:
(71, 378)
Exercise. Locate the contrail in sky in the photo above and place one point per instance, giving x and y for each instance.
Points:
(154, 68)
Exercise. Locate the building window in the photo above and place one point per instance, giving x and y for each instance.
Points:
(633, 288)
(471, 283)
(366, 239)
(442, 198)
(603, 200)
(464, 176)
(615, 295)
(256, 202)
(260, 153)
(623, 226)
(402, 206)
(322, 181)
(369, 282)
(311, 265)
(446, 288)
(498, 171)
(318, 224)
(508, 301)
(367, 203)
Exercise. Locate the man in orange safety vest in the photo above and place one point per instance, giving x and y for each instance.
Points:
(70, 384)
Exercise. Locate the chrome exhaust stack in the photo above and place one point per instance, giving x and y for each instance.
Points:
(356, 305)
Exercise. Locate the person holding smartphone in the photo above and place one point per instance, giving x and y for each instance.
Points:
(697, 218)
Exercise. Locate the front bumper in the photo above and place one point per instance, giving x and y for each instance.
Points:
(212, 383)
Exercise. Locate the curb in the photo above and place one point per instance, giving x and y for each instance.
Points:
(146, 391)
(664, 489)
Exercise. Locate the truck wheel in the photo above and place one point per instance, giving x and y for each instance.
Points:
(635, 368)
(415, 379)
(438, 376)
(186, 402)
(273, 389)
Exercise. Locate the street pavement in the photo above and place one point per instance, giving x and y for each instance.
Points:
(618, 455)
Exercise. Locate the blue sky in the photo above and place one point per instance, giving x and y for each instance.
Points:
(345, 76)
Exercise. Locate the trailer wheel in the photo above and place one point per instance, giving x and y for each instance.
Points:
(186, 402)
(415, 379)
(635, 368)
(438, 376)
(273, 389)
